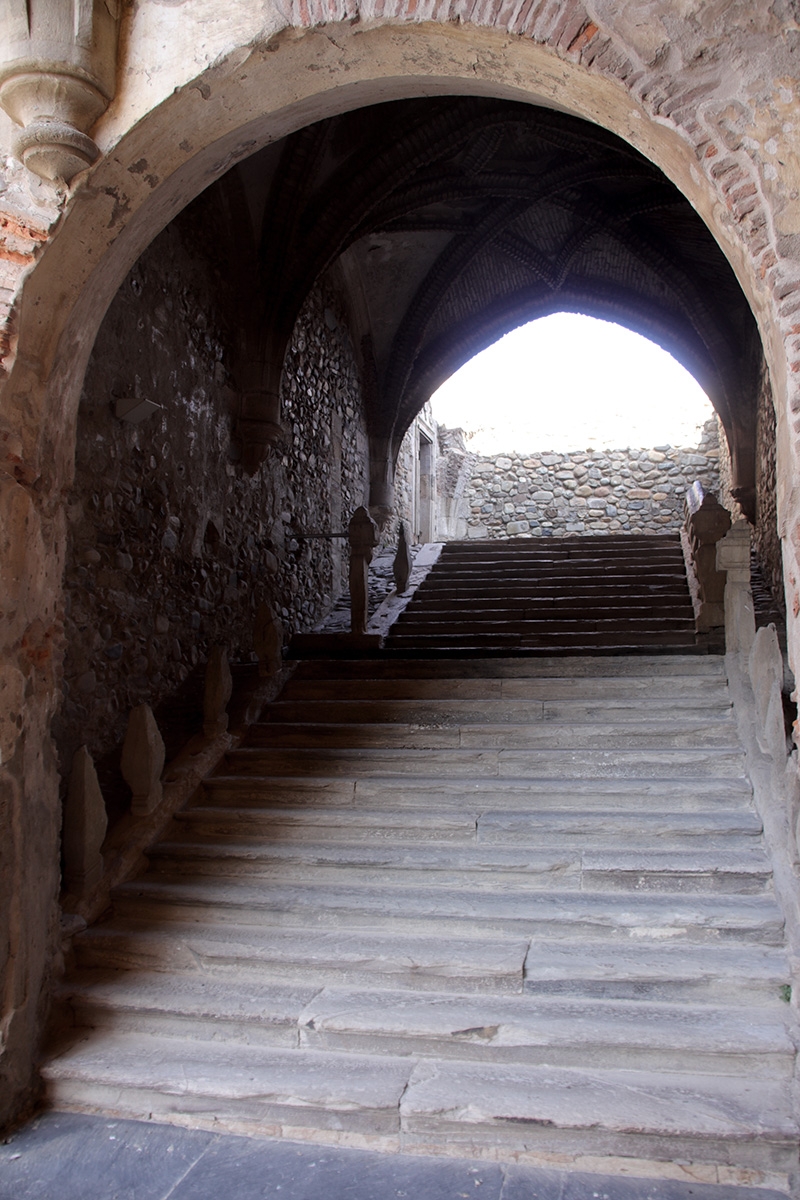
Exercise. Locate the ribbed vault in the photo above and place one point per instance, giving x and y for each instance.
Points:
(450, 221)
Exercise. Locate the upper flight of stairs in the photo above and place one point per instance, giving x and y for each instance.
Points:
(516, 907)
(588, 595)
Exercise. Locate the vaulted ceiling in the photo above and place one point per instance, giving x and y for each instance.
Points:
(449, 221)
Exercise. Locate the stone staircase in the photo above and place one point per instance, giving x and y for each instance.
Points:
(587, 595)
(505, 907)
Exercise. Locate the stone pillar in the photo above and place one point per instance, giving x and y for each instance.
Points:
(85, 824)
(363, 536)
(143, 760)
(218, 690)
(733, 557)
(57, 76)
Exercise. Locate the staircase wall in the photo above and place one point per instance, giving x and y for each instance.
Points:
(172, 542)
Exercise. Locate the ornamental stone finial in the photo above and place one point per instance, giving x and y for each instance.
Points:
(57, 77)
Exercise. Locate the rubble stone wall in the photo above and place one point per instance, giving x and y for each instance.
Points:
(171, 544)
(583, 493)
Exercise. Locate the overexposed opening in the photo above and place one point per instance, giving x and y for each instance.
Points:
(570, 382)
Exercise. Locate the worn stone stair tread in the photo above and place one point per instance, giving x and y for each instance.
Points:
(674, 732)
(259, 791)
(652, 666)
(404, 960)
(501, 1028)
(572, 763)
(695, 917)
(577, 689)
(497, 711)
(194, 995)
(491, 867)
(385, 1021)
(590, 966)
(526, 1105)
(387, 864)
(356, 1091)
(467, 824)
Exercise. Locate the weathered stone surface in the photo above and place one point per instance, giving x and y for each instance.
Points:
(85, 824)
(143, 760)
(765, 667)
(599, 491)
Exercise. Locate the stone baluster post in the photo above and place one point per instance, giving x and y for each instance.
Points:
(706, 522)
(218, 690)
(268, 640)
(85, 824)
(362, 533)
(401, 568)
(733, 557)
(143, 757)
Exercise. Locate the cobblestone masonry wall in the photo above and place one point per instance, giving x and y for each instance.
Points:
(580, 493)
(171, 544)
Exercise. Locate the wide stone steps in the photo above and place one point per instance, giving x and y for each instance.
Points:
(486, 867)
(585, 599)
(487, 713)
(695, 917)
(644, 967)
(492, 907)
(475, 796)
(545, 763)
(511, 1029)
(424, 1104)
(673, 732)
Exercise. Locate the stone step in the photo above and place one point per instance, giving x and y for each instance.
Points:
(259, 1088)
(467, 1105)
(575, 763)
(693, 918)
(650, 734)
(565, 604)
(352, 958)
(477, 795)
(651, 667)
(650, 967)
(580, 640)
(644, 1114)
(637, 969)
(482, 867)
(602, 829)
(459, 712)
(475, 624)
(512, 1029)
(479, 619)
(692, 690)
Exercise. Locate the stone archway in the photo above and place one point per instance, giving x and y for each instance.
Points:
(260, 87)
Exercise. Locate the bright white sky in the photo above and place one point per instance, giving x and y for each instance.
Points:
(568, 382)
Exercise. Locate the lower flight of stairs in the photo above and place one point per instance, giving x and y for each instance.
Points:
(507, 907)
(608, 595)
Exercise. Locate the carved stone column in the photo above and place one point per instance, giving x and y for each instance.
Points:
(57, 77)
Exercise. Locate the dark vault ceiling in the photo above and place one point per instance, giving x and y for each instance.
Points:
(449, 221)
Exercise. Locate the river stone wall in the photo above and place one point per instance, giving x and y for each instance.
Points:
(172, 544)
(551, 493)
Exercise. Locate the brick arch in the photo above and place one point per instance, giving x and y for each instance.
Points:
(337, 57)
